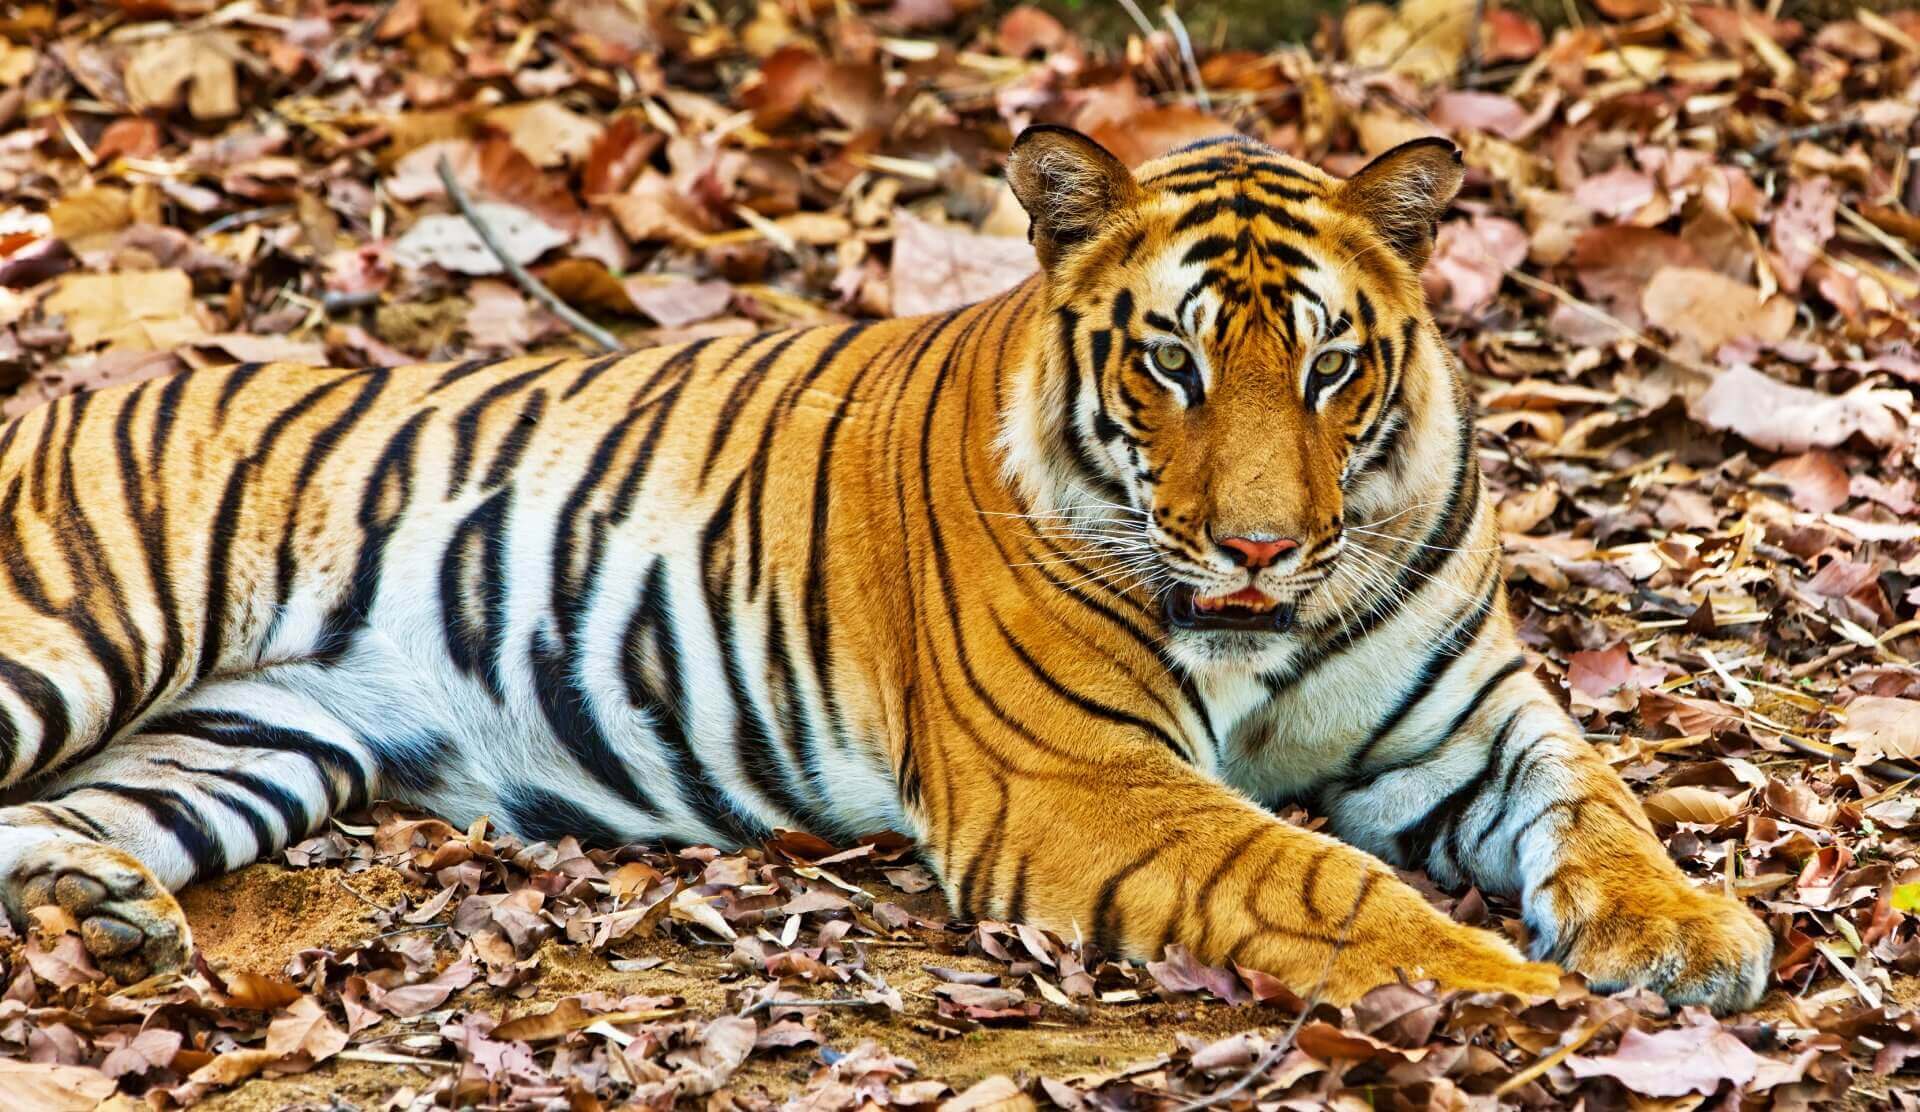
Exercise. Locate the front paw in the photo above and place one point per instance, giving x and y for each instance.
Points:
(1689, 946)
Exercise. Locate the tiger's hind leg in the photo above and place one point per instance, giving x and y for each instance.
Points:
(235, 772)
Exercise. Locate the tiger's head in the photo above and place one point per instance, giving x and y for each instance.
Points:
(1226, 363)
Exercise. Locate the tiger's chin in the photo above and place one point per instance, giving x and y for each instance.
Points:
(1242, 631)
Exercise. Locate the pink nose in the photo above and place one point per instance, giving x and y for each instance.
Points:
(1256, 554)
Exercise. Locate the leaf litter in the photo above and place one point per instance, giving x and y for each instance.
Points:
(1682, 280)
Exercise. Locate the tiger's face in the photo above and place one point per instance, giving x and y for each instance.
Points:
(1232, 332)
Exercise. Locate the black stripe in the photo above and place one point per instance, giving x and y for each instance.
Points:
(1439, 659)
(171, 811)
(389, 491)
(666, 707)
(564, 704)
(466, 424)
(473, 573)
(543, 816)
(292, 809)
(47, 704)
(591, 372)
(235, 730)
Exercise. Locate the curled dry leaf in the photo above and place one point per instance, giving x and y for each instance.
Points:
(1700, 806)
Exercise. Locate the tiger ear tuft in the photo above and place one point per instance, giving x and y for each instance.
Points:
(1404, 192)
(1069, 185)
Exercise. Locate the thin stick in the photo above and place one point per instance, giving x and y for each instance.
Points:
(769, 1005)
(1274, 1053)
(1186, 57)
(381, 1058)
(242, 218)
(346, 48)
(605, 340)
(1519, 1080)
(1590, 310)
(1873, 232)
(1809, 131)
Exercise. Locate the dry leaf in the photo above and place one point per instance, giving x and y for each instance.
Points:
(1877, 727)
(141, 310)
(51, 1087)
(305, 1028)
(938, 267)
(1793, 419)
(1696, 1059)
(1703, 309)
(1693, 804)
(449, 241)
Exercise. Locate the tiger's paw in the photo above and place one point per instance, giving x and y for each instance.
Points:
(1689, 946)
(129, 922)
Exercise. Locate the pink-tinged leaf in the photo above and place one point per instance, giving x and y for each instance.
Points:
(1786, 418)
(1471, 257)
(64, 965)
(1815, 480)
(1608, 679)
(1674, 1063)
(678, 302)
(49, 1087)
(305, 1028)
(1802, 225)
(938, 267)
(1878, 727)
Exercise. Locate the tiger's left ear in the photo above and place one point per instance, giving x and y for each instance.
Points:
(1404, 192)
(1069, 185)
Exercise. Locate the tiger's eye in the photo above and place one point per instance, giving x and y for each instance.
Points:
(1330, 363)
(1171, 358)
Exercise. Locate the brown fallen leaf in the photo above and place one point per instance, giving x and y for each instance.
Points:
(1703, 309)
(1786, 418)
(938, 267)
(1693, 1059)
(198, 64)
(140, 310)
(305, 1028)
(259, 991)
(1702, 806)
(52, 1087)
(1877, 726)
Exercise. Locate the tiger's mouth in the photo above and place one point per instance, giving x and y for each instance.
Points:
(1248, 609)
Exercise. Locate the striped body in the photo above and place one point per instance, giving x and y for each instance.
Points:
(910, 575)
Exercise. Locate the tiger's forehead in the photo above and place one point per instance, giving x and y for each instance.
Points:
(1245, 241)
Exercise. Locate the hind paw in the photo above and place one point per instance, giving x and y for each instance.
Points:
(128, 920)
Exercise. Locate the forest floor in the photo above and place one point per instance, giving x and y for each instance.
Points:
(1683, 278)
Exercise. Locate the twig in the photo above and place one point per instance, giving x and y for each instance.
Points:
(346, 48)
(1590, 310)
(1285, 1042)
(1473, 41)
(1873, 232)
(526, 281)
(769, 1005)
(242, 218)
(383, 1059)
(358, 895)
(1542, 1065)
(1186, 56)
(336, 302)
(1772, 142)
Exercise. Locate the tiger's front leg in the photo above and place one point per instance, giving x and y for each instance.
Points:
(1517, 802)
(1136, 850)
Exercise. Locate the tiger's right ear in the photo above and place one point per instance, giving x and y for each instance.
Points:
(1069, 185)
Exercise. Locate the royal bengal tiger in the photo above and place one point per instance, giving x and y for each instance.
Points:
(1073, 585)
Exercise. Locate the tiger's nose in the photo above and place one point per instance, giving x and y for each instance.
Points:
(1256, 552)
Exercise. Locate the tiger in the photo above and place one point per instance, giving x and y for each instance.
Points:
(1078, 587)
